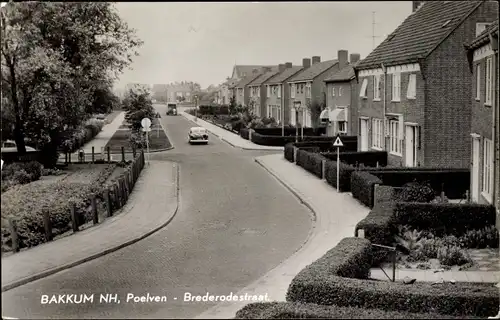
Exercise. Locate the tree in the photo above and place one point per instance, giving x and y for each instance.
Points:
(315, 107)
(138, 105)
(54, 57)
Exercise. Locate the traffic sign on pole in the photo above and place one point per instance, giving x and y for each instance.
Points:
(146, 123)
(338, 143)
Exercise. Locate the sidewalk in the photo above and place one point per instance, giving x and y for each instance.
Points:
(336, 215)
(232, 138)
(155, 194)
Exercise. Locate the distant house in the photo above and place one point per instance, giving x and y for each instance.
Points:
(226, 92)
(242, 71)
(277, 91)
(341, 109)
(485, 120)
(258, 93)
(308, 88)
(241, 90)
(414, 88)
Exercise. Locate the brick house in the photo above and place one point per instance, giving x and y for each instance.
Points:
(239, 72)
(241, 89)
(225, 92)
(483, 57)
(340, 113)
(308, 90)
(415, 97)
(277, 90)
(242, 71)
(258, 93)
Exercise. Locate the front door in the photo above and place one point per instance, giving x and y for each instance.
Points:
(363, 132)
(411, 145)
(475, 170)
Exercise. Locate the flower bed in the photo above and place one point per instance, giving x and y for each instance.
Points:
(20, 173)
(158, 140)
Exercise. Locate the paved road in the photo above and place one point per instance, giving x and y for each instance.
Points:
(234, 224)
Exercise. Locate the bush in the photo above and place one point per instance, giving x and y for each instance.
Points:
(82, 135)
(340, 278)
(245, 133)
(416, 192)
(379, 225)
(297, 310)
(289, 152)
(452, 256)
(363, 186)
(345, 172)
(34, 169)
(311, 162)
(445, 218)
(480, 238)
(366, 158)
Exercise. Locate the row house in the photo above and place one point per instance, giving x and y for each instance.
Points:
(277, 89)
(242, 71)
(257, 92)
(414, 89)
(307, 89)
(485, 158)
(241, 90)
(340, 113)
(225, 92)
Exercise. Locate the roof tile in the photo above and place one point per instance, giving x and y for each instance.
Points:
(313, 71)
(345, 74)
(262, 78)
(246, 80)
(283, 76)
(484, 36)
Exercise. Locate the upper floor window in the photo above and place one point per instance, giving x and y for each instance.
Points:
(340, 91)
(333, 91)
(308, 90)
(411, 93)
(302, 88)
(396, 87)
(478, 82)
(489, 81)
(364, 86)
(268, 90)
(376, 87)
(292, 90)
(279, 90)
(480, 27)
(297, 87)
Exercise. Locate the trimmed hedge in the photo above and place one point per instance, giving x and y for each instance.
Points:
(82, 135)
(279, 141)
(380, 224)
(311, 162)
(340, 278)
(288, 131)
(445, 218)
(245, 133)
(288, 152)
(366, 158)
(345, 172)
(363, 186)
(325, 144)
(213, 110)
(297, 310)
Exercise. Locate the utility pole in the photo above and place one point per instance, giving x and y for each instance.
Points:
(374, 36)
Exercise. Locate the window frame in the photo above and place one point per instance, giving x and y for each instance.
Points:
(411, 92)
(292, 90)
(487, 172)
(364, 88)
(396, 87)
(344, 123)
(488, 97)
(377, 134)
(478, 82)
(376, 87)
(394, 138)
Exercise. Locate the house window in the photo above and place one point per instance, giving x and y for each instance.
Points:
(342, 126)
(340, 91)
(292, 90)
(480, 27)
(394, 137)
(377, 133)
(308, 90)
(396, 87)
(275, 113)
(268, 91)
(302, 88)
(487, 169)
(376, 87)
(364, 86)
(411, 93)
(489, 82)
(279, 91)
(333, 91)
(478, 82)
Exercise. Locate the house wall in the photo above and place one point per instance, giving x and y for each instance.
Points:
(300, 95)
(263, 100)
(343, 100)
(272, 99)
(239, 94)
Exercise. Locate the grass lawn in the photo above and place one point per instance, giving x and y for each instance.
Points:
(158, 139)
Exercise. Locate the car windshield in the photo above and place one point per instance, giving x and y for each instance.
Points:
(198, 130)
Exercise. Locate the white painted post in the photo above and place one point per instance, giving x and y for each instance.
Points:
(361, 233)
(338, 169)
(295, 149)
(323, 167)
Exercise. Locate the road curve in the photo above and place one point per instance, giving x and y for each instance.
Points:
(235, 223)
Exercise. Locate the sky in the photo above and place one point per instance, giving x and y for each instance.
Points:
(202, 41)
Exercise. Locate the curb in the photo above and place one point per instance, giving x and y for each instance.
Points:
(52, 271)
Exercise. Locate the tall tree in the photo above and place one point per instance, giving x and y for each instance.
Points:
(55, 56)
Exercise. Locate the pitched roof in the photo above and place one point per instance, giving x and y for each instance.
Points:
(420, 33)
(248, 69)
(280, 77)
(262, 78)
(313, 71)
(246, 80)
(345, 74)
(484, 38)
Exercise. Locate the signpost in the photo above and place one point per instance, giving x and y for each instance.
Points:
(146, 127)
(338, 143)
(297, 106)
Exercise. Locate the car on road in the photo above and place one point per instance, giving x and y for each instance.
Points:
(172, 109)
(198, 135)
(11, 146)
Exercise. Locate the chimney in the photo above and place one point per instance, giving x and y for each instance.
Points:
(281, 67)
(354, 57)
(416, 5)
(306, 63)
(288, 65)
(316, 59)
(342, 57)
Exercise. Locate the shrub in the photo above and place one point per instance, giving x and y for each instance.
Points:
(340, 278)
(452, 255)
(366, 158)
(288, 152)
(480, 238)
(34, 169)
(297, 310)
(416, 192)
(345, 172)
(445, 218)
(21, 177)
(245, 133)
(311, 162)
(362, 187)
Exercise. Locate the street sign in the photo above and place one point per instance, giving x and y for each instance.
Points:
(338, 142)
(146, 123)
(146, 129)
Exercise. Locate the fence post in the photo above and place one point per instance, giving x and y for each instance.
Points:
(377, 164)
(66, 158)
(95, 215)
(47, 225)
(143, 162)
(442, 196)
(295, 150)
(93, 154)
(467, 196)
(323, 169)
(108, 202)
(109, 154)
(375, 187)
(123, 154)
(119, 193)
(74, 218)
(69, 157)
(13, 234)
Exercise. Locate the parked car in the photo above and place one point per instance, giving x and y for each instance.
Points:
(11, 146)
(172, 109)
(198, 135)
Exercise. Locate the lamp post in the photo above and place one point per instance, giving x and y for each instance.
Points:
(297, 105)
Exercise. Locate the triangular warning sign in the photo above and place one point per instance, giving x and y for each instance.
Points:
(338, 142)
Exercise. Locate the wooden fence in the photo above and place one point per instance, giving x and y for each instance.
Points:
(104, 156)
(114, 196)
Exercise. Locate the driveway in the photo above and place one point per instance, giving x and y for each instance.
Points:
(234, 224)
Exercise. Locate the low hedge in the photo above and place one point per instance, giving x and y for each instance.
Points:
(297, 310)
(379, 225)
(288, 152)
(445, 218)
(289, 131)
(213, 110)
(311, 162)
(340, 278)
(279, 141)
(363, 186)
(326, 144)
(366, 158)
(245, 133)
(345, 172)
